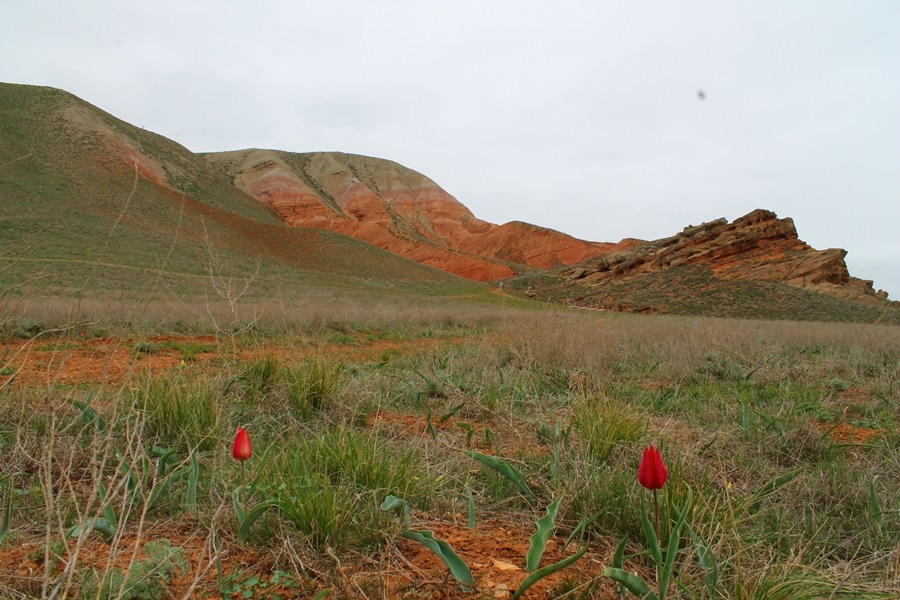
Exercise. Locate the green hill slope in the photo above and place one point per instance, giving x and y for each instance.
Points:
(90, 204)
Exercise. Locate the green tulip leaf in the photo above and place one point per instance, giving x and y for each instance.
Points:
(444, 552)
(672, 550)
(650, 535)
(874, 504)
(545, 526)
(106, 529)
(635, 584)
(548, 570)
(504, 468)
(252, 515)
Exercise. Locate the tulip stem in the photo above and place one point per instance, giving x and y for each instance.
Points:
(655, 511)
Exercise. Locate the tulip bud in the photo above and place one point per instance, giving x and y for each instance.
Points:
(242, 449)
(652, 473)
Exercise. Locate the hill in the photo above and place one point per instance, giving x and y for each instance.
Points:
(398, 209)
(754, 267)
(93, 205)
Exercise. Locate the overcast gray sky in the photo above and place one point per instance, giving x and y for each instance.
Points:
(580, 116)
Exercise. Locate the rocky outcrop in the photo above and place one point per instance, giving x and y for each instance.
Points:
(398, 209)
(758, 246)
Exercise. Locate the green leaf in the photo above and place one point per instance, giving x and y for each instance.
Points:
(444, 552)
(7, 514)
(745, 416)
(452, 412)
(165, 484)
(106, 529)
(759, 495)
(470, 431)
(618, 560)
(548, 570)
(190, 497)
(708, 563)
(430, 426)
(398, 506)
(504, 468)
(672, 549)
(650, 535)
(88, 414)
(874, 504)
(545, 527)
(108, 512)
(635, 584)
(251, 517)
(471, 509)
(323, 594)
(581, 526)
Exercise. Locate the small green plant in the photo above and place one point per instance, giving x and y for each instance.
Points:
(505, 468)
(253, 586)
(148, 579)
(181, 411)
(310, 385)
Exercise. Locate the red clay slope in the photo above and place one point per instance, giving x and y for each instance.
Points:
(393, 207)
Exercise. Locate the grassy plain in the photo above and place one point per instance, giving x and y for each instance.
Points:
(116, 427)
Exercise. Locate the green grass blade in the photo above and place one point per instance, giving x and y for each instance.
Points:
(471, 509)
(108, 512)
(708, 563)
(190, 498)
(255, 513)
(672, 549)
(323, 594)
(635, 584)
(430, 425)
(759, 495)
(504, 468)
(452, 412)
(874, 504)
(650, 535)
(618, 561)
(88, 414)
(548, 570)
(745, 416)
(444, 552)
(7, 514)
(545, 527)
(582, 525)
(165, 484)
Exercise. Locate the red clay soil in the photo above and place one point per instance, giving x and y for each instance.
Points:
(847, 433)
(495, 552)
(110, 361)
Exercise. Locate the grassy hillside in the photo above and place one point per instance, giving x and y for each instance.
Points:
(693, 290)
(93, 205)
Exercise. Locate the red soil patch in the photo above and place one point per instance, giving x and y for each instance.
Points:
(847, 433)
(111, 361)
(495, 552)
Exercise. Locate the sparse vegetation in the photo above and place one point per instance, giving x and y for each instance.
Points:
(566, 401)
(482, 420)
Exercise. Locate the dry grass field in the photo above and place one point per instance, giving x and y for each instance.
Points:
(118, 481)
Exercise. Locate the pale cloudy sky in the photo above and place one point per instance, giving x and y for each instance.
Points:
(582, 116)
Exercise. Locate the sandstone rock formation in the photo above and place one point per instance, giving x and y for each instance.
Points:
(398, 209)
(758, 246)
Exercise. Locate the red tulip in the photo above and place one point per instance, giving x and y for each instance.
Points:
(652, 473)
(242, 449)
